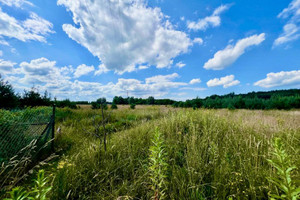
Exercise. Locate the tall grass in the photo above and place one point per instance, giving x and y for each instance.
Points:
(210, 154)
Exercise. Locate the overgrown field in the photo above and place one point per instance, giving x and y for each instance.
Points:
(166, 153)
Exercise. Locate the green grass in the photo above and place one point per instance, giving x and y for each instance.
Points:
(209, 154)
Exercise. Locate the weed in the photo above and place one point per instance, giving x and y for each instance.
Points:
(284, 182)
(38, 192)
(158, 166)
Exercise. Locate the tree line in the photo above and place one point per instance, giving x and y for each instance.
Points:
(276, 99)
(9, 99)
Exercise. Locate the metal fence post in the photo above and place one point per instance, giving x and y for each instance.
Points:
(53, 127)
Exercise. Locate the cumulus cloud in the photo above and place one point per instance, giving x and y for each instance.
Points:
(230, 54)
(102, 70)
(226, 82)
(33, 28)
(16, 3)
(59, 81)
(211, 21)
(6, 67)
(42, 71)
(291, 30)
(162, 78)
(180, 64)
(125, 34)
(83, 70)
(150, 87)
(283, 78)
(195, 80)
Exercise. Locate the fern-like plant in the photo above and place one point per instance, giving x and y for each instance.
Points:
(38, 192)
(281, 162)
(158, 166)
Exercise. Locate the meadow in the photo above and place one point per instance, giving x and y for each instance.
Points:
(161, 152)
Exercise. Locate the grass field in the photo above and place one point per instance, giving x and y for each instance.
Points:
(158, 152)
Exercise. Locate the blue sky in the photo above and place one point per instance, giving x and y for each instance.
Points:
(86, 49)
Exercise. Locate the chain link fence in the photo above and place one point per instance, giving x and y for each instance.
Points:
(18, 128)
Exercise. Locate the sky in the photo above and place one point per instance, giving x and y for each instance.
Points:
(178, 49)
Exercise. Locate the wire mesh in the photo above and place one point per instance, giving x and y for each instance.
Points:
(19, 127)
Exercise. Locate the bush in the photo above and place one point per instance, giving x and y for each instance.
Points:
(114, 106)
(95, 105)
(132, 106)
(66, 103)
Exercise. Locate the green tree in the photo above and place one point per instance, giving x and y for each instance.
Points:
(8, 98)
(150, 100)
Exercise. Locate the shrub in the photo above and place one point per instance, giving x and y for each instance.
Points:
(114, 106)
(66, 103)
(132, 106)
(95, 105)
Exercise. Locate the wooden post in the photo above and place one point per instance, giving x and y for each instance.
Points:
(53, 127)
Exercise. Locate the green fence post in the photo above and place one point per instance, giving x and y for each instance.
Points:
(53, 127)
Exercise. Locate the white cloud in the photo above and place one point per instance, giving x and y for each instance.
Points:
(125, 34)
(41, 71)
(291, 30)
(195, 80)
(16, 3)
(180, 64)
(290, 33)
(211, 21)
(198, 41)
(83, 70)
(102, 70)
(226, 82)
(161, 78)
(193, 88)
(6, 67)
(283, 78)
(46, 75)
(143, 67)
(33, 28)
(230, 54)
(293, 10)
(3, 42)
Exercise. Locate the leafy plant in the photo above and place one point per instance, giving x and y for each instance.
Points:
(158, 166)
(18, 193)
(281, 162)
(40, 189)
(38, 192)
